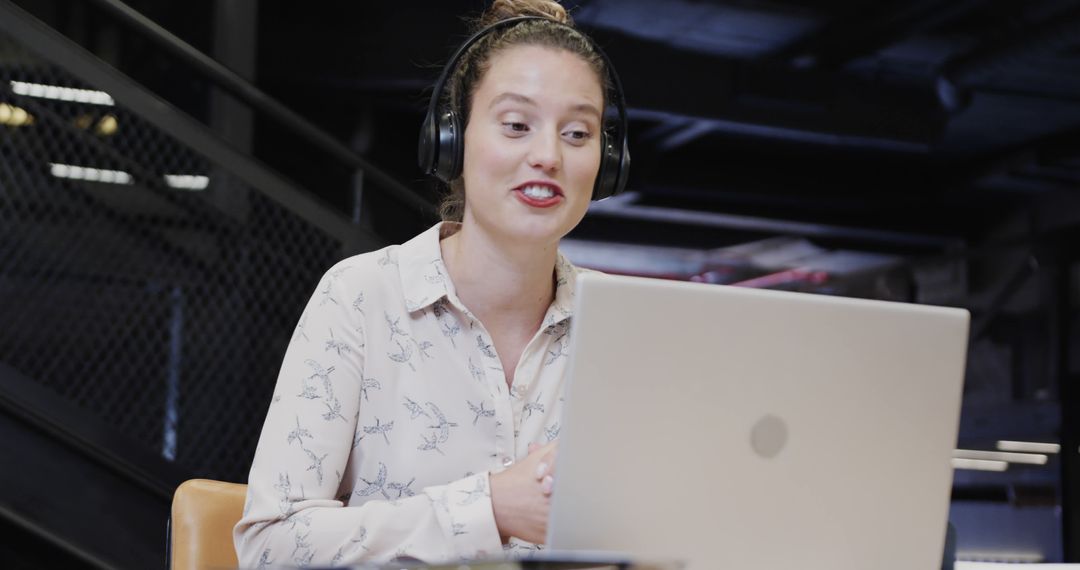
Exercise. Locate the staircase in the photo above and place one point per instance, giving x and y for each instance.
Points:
(151, 275)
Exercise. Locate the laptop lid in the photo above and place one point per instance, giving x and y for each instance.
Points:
(740, 428)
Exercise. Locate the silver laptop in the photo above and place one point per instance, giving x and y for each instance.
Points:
(743, 429)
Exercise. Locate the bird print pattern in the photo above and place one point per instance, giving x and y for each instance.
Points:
(415, 410)
(380, 406)
(381, 429)
(480, 411)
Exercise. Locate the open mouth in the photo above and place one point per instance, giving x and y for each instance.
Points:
(539, 194)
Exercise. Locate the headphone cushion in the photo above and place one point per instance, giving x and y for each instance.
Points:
(427, 149)
(607, 176)
(451, 147)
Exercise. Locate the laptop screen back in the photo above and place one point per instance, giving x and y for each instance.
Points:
(738, 428)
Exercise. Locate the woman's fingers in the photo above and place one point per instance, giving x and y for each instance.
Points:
(549, 459)
(546, 485)
(545, 469)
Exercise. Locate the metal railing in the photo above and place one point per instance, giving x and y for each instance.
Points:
(163, 310)
(246, 91)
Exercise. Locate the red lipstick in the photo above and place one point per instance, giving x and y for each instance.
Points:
(552, 197)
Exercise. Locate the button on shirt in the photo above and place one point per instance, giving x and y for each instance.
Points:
(390, 411)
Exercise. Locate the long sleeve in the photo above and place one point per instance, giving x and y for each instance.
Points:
(309, 466)
(390, 411)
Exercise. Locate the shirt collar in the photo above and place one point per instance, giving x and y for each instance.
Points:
(562, 308)
(425, 280)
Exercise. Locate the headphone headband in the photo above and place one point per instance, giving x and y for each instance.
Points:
(441, 145)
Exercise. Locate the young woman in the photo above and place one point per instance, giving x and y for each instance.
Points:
(418, 403)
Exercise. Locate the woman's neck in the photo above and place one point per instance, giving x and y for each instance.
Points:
(503, 284)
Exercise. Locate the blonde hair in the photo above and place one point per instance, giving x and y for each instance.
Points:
(555, 31)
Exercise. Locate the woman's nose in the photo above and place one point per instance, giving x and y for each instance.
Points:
(545, 152)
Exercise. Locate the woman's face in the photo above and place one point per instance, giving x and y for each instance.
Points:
(532, 144)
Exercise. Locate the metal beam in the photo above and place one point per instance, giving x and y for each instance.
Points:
(685, 135)
(677, 125)
(624, 206)
(1019, 276)
(238, 86)
(113, 515)
(866, 27)
(1068, 379)
(80, 63)
(662, 79)
(1053, 34)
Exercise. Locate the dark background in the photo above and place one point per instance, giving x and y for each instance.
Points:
(925, 151)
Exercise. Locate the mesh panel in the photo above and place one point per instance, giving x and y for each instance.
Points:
(164, 311)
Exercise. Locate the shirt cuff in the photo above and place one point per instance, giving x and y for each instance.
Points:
(464, 510)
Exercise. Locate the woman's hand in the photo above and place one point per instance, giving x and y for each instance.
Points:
(545, 472)
(521, 495)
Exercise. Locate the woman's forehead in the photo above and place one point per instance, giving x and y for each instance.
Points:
(580, 106)
(539, 75)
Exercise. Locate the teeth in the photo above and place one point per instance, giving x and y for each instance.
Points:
(538, 192)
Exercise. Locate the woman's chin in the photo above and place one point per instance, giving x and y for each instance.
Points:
(546, 227)
(516, 225)
(534, 230)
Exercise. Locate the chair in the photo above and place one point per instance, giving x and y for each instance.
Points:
(200, 527)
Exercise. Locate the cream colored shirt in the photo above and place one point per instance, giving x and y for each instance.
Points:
(390, 410)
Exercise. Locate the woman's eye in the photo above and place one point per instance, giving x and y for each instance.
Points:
(579, 135)
(516, 127)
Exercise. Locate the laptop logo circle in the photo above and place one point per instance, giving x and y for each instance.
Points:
(769, 436)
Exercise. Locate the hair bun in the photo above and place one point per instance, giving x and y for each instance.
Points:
(505, 9)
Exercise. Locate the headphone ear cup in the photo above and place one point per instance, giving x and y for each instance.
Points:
(427, 145)
(608, 175)
(451, 147)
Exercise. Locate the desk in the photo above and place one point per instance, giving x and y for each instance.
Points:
(1000, 566)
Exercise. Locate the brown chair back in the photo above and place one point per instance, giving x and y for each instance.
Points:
(203, 515)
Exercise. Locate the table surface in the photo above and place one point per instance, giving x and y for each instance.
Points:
(999, 566)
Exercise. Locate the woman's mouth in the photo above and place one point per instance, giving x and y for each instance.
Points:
(539, 194)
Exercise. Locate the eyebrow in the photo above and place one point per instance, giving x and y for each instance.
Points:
(587, 108)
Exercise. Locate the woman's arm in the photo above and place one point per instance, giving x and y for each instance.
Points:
(292, 515)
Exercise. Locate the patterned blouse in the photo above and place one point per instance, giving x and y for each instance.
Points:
(390, 410)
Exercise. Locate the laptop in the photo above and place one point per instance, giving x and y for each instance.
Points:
(745, 429)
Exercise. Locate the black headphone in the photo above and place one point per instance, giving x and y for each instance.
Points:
(442, 144)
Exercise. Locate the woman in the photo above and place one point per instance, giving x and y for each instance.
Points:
(417, 407)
